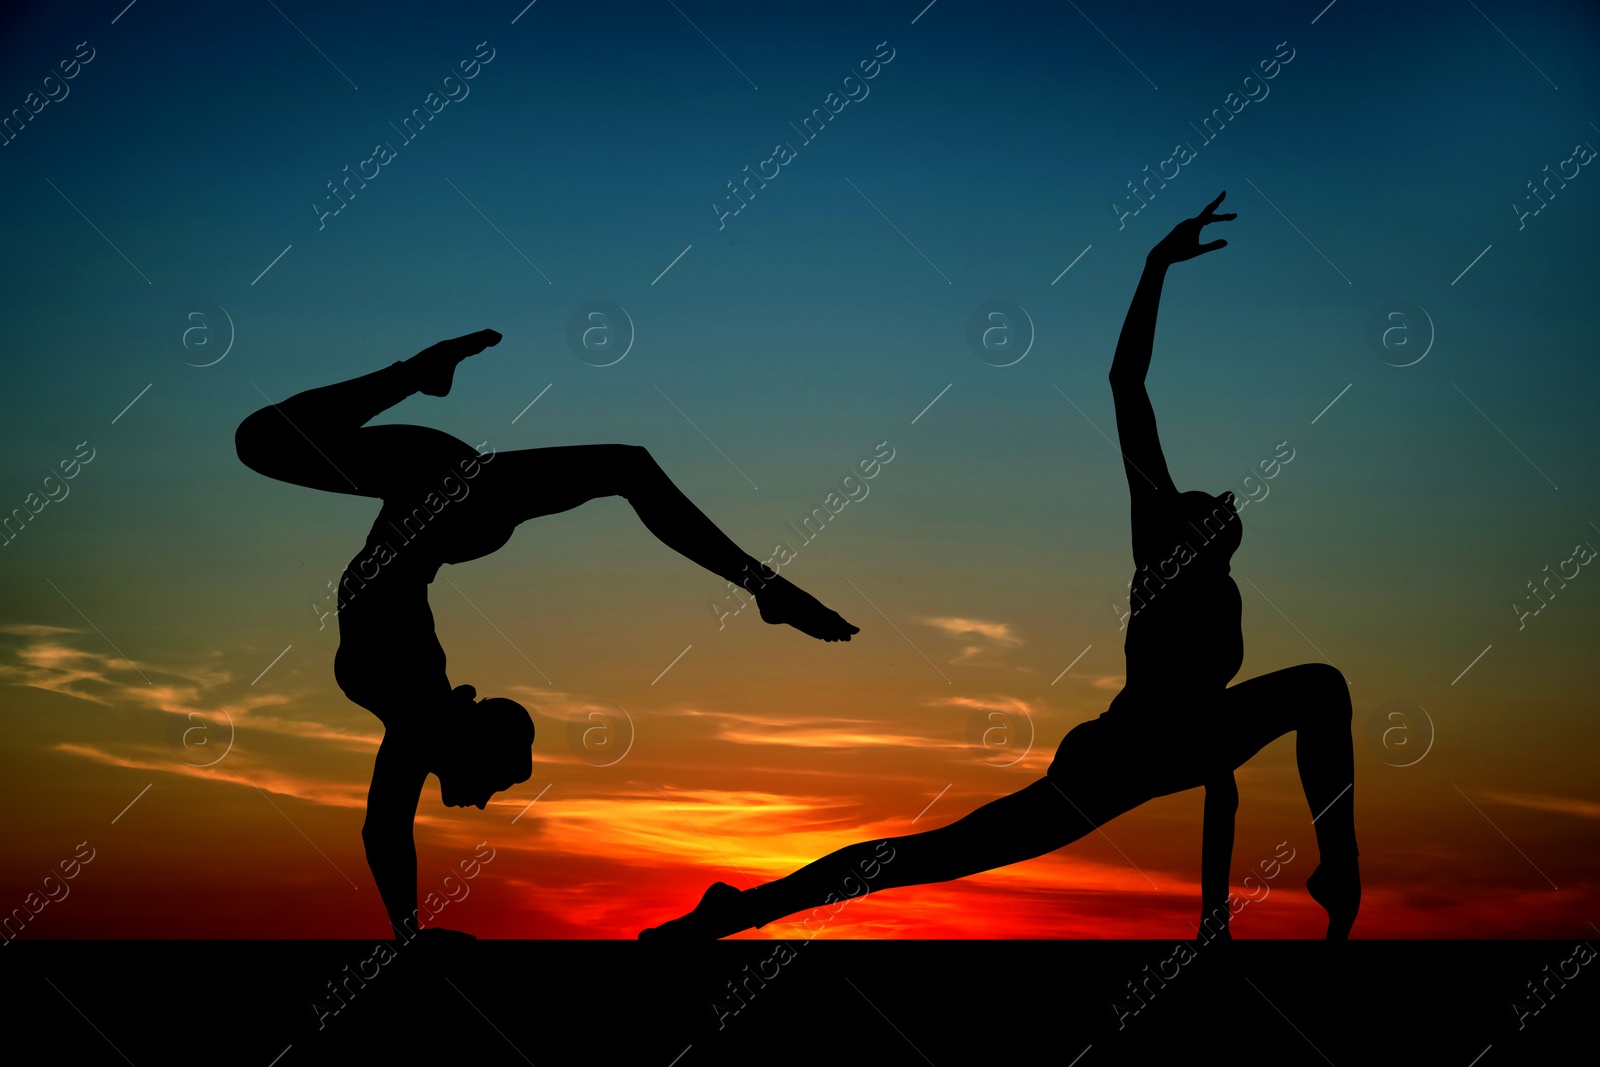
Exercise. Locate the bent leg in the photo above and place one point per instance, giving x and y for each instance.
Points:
(315, 438)
(1314, 702)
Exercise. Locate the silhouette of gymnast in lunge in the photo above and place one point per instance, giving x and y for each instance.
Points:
(1174, 726)
(443, 502)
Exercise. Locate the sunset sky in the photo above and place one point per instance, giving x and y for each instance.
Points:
(163, 641)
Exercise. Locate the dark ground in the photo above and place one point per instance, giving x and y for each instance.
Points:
(846, 1002)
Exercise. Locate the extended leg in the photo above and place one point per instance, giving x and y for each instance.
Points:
(1031, 822)
(525, 484)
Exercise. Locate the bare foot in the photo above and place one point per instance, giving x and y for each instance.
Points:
(1337, 887)
(783, 603)
(719, 913)
(436, 364)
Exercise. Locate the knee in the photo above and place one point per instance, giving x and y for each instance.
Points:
(254, 439)
(636, 457)
(633, 465)
(1332, 693)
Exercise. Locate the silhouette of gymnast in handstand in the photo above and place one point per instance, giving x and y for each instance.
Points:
(444, 502)
(1174, 726)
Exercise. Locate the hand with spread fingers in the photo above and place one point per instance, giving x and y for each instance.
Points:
(1184, 240)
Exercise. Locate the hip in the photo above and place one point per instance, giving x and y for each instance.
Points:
(1165, 743)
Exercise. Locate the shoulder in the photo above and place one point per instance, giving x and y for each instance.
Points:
(1155, 517)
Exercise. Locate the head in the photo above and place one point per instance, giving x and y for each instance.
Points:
(483, 748)
(1210, 524)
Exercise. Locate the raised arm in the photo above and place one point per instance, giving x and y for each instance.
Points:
(1143, 460)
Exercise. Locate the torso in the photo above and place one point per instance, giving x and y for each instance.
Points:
(1184, 634)
(389, 659)
(1187, 636)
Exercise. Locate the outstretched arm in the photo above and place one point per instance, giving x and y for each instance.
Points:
(397, 777)
(1143, 460)
(1216, 851)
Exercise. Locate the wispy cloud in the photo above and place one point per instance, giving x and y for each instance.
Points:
(36, 630)
(1584, 809)
(983, 638)
(996, 703)
(59, 668)
(54, 665)
(335, 794)
(643, 823)
(811, 731)
(203, 692)
(998, 632)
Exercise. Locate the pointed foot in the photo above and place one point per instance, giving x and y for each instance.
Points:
(782, 603)
(436, 364)
(1337, 887)
(719, 913)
